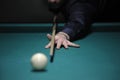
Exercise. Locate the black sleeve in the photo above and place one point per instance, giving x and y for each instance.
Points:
(78, 15)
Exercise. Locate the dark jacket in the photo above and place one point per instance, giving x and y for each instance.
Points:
(79, 15)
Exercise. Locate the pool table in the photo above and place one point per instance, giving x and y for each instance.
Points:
(98, 58)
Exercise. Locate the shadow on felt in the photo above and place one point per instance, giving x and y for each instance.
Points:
(44, 70)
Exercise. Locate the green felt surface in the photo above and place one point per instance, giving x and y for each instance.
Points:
(47, 27)
(50, 24)
(98, 58)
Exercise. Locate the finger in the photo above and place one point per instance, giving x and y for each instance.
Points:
(59, 43)
(73, 44)
(49, 36)
(65, 44)
(48, 45)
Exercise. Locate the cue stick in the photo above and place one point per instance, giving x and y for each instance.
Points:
(53, 38)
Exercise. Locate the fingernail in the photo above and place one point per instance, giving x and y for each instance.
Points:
(46, 47)
(57, 48)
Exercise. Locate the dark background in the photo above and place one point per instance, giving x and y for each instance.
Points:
(36, 11)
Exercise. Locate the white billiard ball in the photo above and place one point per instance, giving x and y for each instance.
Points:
(39, 61)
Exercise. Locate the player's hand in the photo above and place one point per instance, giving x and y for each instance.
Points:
(61, 40)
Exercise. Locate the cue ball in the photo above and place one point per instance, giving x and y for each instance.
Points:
(39, 61)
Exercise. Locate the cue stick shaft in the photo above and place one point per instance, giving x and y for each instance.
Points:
(53, 36)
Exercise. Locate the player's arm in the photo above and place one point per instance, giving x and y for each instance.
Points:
(78, 16)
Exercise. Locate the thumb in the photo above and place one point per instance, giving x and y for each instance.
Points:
(49, 36)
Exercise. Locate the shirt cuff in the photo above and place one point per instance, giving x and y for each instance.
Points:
(69, 32)
(66, 35)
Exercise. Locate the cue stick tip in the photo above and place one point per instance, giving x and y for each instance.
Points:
(51, 58)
